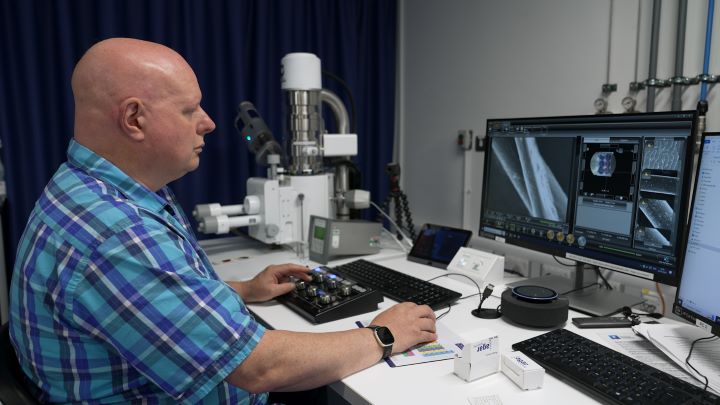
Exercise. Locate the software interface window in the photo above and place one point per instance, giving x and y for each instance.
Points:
(591, 188)
(700, 275)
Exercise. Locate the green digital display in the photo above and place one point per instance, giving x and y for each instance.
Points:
(319, 233)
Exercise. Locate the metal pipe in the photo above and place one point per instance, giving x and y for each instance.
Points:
(637, 39)
(654, 41)
(338, 109)
(609, 47)
(342, 177)
(708, 39)
(676, 103)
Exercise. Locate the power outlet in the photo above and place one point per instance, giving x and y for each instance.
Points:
(465, 138)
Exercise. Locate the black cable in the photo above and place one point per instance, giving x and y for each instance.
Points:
(484, 294)
(515, 272)
(461, 275)
(353, 120)
(597, 270)
(634, 317)
(580, 288)
(599, 273)
(444, 313)
(687, 359)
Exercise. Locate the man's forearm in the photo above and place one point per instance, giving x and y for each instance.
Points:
(241, 288)
(290, 361)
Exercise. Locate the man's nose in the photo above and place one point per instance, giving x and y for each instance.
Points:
(207, 125)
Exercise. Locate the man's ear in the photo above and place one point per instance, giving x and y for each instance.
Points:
(133, 118)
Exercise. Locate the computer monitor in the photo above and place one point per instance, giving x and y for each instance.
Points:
(607, 190)
(696, 299)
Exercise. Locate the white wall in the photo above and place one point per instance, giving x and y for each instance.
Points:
(464, 61)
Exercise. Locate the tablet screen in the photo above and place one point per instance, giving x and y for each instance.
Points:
(436, 245)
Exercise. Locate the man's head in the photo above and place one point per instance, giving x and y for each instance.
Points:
(137, 104)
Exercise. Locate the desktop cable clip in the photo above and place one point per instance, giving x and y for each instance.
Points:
(486, 313)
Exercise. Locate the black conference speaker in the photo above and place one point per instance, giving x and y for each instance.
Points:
(534, 306)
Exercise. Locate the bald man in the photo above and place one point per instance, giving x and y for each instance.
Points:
(112, 298)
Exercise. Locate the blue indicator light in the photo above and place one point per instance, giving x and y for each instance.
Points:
(248, 138)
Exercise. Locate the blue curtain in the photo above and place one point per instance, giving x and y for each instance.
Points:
(235, 47)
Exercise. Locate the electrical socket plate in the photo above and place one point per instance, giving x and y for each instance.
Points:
(483, 267)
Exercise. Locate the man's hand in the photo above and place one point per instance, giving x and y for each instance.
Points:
(409, 323)
(271, 282)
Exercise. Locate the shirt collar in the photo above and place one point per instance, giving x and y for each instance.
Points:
(100, 168)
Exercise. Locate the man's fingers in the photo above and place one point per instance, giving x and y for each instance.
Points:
(426, 325)
(284, 288)
(289, 269)
(428, 336)
(424, 311)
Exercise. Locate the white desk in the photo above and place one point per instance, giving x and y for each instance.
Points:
(429, 383)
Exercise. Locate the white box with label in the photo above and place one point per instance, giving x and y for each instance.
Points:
(527, 374)
(480, 354)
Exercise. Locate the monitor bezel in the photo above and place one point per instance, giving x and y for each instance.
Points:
(678, 309)
(559, 251)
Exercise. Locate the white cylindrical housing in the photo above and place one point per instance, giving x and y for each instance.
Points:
(252, 204)
(300, 71)
(215, 209)
(222, 224)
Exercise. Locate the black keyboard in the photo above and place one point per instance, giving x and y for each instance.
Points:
(609, 375)
(396, 285)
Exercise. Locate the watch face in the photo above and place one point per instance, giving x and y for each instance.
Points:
(384, 335)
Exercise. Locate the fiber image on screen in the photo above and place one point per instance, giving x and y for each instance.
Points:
(609, 170)
(660, 189)
(531, 175)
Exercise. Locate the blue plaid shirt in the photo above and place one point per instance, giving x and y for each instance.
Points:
(113, 300)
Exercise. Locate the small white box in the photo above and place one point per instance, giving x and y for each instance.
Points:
(339, 145)
(480, 354)
(527, 374)
(483, 267)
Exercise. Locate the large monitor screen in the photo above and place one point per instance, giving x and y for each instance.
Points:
(608, 190)
(696, 298)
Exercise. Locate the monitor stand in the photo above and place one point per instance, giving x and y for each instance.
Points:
(586, 295)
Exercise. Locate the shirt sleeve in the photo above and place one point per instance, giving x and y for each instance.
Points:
(143, 293)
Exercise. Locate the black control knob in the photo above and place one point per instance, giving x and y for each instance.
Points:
(312, 291)
(318, 277)
(324, 299)
(345, 290)
(331, 283)
(300, 285)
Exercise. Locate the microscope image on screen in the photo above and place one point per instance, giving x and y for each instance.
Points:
(659, 194)
(533, 170)
(609, 170)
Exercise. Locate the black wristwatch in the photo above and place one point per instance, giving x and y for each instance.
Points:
(384, 338)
